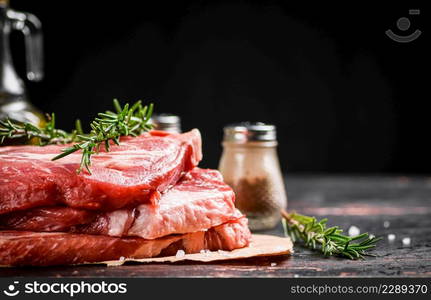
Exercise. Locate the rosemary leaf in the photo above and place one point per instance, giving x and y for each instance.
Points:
(329, 241)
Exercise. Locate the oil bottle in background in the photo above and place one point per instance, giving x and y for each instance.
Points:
(14, 102)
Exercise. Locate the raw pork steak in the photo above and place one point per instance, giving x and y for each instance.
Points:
(130, 174)
(23, 248)
(200, 200)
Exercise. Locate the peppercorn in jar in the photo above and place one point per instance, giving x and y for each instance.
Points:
(250, 165)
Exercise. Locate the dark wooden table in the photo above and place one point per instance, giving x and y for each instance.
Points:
(363, 201)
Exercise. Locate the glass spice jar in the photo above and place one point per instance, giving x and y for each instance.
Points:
(167, 122)
(250, 165)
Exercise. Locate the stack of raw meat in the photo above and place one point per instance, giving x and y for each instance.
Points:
(144, 198)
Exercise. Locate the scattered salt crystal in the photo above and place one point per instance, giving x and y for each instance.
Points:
(273, 264)
(371, 236)
(353, 230)
(180, 253)
(122, 258)
(391, 237)
(386, 224)
(205, 252)
(406, 241)
(296, 275)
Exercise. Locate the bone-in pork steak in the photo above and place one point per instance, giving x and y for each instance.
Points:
(199, 201)
(23, 248)
(130, 174)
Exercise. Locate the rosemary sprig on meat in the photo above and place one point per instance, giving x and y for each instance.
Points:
(330, 241)
(110, 126)
(105, 128)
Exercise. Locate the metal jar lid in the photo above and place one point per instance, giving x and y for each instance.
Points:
(167, 122)
(250, 132)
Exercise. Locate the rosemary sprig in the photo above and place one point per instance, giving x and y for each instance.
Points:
(45, 135)
(107, 127)
(330, 241)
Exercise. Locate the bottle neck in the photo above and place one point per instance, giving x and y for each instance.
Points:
(11, 86)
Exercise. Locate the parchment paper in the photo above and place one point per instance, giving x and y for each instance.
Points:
(261, 245)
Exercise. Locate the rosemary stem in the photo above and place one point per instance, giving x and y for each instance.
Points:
(330, 241)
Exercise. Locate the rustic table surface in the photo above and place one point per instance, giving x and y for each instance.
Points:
(367, 202)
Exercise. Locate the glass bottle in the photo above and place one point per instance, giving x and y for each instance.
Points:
(14, 102)
(250, 165)
(167, 122)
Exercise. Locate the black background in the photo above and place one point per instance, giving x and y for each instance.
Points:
(345, 98)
